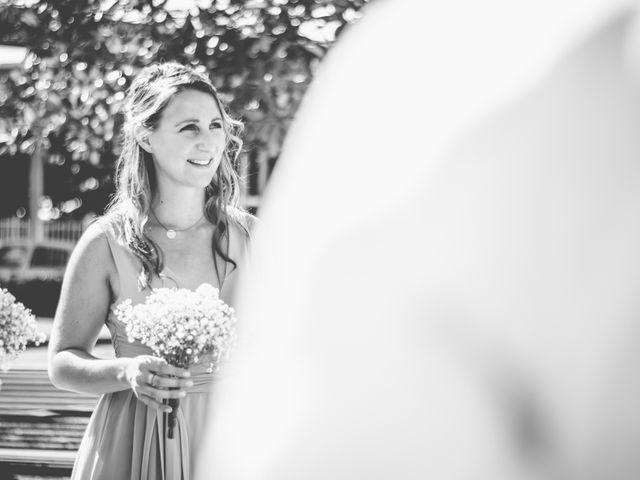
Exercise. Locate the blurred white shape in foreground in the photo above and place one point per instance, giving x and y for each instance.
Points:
(448, 282)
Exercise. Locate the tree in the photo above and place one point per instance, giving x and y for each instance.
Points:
(65, 101)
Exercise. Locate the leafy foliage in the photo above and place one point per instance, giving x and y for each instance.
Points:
(260, 54)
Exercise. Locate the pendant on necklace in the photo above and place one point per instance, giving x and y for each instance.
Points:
(171, 234)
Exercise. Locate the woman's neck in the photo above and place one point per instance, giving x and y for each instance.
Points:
(179, 208)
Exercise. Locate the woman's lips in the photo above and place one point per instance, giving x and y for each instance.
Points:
(201, 163)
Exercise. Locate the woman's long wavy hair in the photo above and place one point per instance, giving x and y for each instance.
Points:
(135, 178)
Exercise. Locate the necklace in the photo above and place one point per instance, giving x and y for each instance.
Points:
(173, 232)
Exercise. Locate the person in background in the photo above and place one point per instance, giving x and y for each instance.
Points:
(174, 222)
(448, 284)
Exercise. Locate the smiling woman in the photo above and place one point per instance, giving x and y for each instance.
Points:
(174, 221)
(190, 134)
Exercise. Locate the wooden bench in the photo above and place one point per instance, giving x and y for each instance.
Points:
(40, 426)
(28, 390)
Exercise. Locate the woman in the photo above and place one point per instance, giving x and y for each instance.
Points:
(174, 221)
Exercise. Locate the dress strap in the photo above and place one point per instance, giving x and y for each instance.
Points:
(126, 264)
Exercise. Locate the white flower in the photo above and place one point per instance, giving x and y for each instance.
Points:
(17, 327)
(181, 325)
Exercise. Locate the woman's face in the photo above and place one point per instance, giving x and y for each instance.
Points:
(189, 140)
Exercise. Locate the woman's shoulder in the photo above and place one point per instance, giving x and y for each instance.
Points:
(93, 246)
(109, 224)
(96, 234)
(245, 221)
(243, 227)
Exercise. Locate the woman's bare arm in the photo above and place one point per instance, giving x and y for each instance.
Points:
(82, 310)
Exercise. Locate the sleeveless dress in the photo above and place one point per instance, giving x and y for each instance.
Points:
(126, 440)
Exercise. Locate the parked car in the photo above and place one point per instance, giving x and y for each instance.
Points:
(23, 261)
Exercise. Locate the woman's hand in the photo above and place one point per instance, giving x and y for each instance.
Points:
(153, 380)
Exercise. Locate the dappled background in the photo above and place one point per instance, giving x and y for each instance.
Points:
(60, 106)
(64, 70)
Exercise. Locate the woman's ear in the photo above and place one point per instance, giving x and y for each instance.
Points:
(142, 137)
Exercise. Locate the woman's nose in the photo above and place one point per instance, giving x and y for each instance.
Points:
(209, 140)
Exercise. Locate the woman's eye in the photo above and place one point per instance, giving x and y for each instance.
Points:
(191, 127)
(216, 125)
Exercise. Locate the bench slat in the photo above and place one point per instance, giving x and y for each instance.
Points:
(54, 458)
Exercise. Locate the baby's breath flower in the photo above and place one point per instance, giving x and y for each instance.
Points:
(181, 325)
(17, 327)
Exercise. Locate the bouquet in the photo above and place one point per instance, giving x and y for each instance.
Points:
(17, 328)
(183, 327)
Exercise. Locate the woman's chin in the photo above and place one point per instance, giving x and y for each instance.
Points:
(202, 178)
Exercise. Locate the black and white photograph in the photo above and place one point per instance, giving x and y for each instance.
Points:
(319, 240)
